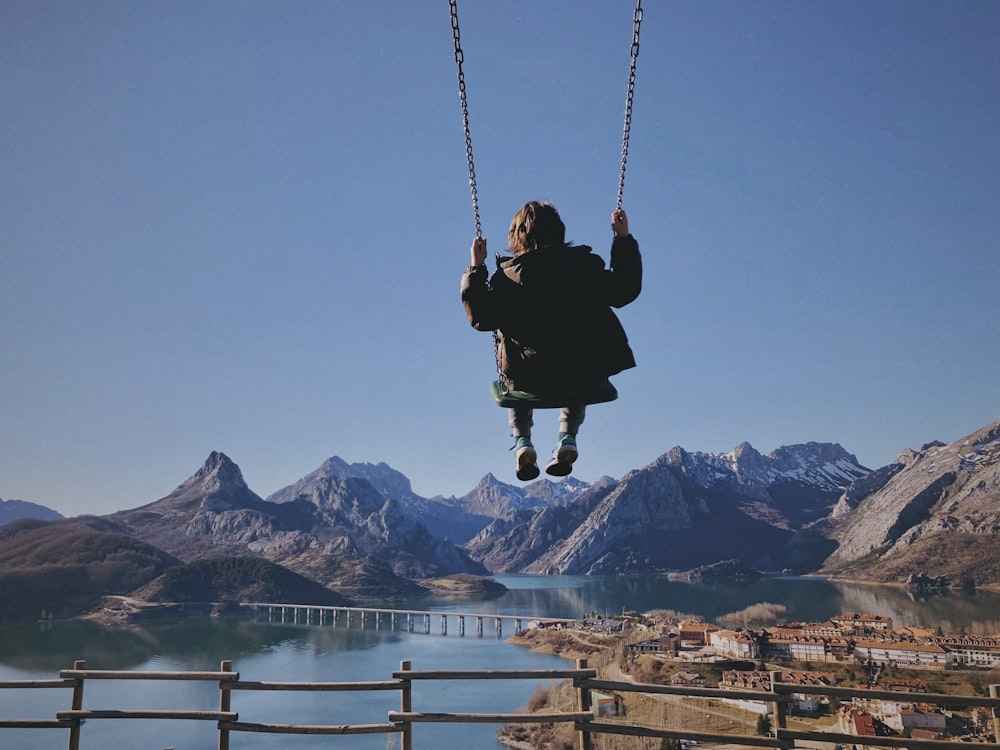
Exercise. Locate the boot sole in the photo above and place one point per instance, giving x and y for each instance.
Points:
(527, 465)
(562, 463)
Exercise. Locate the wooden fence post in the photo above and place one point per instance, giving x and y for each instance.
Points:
(225, 703)
(995, 693)
(406, 706)
(780, 711)
(77, 705)
(584, 740)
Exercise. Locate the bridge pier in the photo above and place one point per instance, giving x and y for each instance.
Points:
(309, 614)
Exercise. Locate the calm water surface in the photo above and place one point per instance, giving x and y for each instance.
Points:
(275, 652)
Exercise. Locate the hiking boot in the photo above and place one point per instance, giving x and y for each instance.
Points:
(526, 460)
(563, 457)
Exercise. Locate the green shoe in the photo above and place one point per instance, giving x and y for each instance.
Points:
(526, 460)
(563, 457)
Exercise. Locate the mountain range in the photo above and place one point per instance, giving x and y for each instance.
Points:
(360, 530)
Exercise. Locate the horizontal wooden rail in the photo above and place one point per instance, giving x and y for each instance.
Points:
(783, 692)
(115, 674)
(34, 724)
(81, 713)
(632, 730)
(496, 674)
(907, 742)
(313, 686)
(23, 684)
(692, 692)
(941, 699)
(477, 718)
(242, 726)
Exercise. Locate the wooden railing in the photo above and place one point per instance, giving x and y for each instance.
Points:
(585, 723)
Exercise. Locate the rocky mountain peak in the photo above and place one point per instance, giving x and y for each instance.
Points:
(387, 481)
(218, 475)
(744, 454)
(488, 482)
(941, 497)
(496, 499)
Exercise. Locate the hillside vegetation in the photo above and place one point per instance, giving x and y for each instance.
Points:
(63, 568)
(235, 579)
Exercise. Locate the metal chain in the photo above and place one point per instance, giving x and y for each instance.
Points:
(636, 21)
(459, 59)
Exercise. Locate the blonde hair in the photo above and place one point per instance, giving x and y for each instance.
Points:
(536, 225)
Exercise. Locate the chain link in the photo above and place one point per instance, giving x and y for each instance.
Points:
(636, 21)
(459, 59)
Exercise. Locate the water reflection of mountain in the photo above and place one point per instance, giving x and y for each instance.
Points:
(975, 613)
(806, 599)
(194, 643)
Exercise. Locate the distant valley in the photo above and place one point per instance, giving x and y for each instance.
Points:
(358, 531)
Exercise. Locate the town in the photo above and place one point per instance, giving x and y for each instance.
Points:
(850, 650)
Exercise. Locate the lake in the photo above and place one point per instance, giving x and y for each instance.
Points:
(287, 652)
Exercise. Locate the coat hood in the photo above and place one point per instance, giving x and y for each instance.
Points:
(545, 263)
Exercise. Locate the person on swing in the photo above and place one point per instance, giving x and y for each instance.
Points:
(549, 303)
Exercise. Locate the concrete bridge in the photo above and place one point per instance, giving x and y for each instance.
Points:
(412, 620)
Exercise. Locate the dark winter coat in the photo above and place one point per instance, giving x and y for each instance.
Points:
(552, 310)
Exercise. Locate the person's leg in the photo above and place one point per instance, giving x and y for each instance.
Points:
(570, 419)
(521, 420)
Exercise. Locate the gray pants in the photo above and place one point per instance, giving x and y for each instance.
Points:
(520, 419)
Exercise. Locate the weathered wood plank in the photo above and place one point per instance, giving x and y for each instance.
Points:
(907, 742)
(497, 674)
(18, 684)
(314, 686)
(785, 691)
(146, 714)
(241, 726)
(114, 674)
(482, 718)
(34, 724)
(941, 699)
(631, 730)
(694, 692)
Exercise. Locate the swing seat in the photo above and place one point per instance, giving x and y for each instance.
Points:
(599, 393)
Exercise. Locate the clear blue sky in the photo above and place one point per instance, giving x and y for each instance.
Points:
(240, 226)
